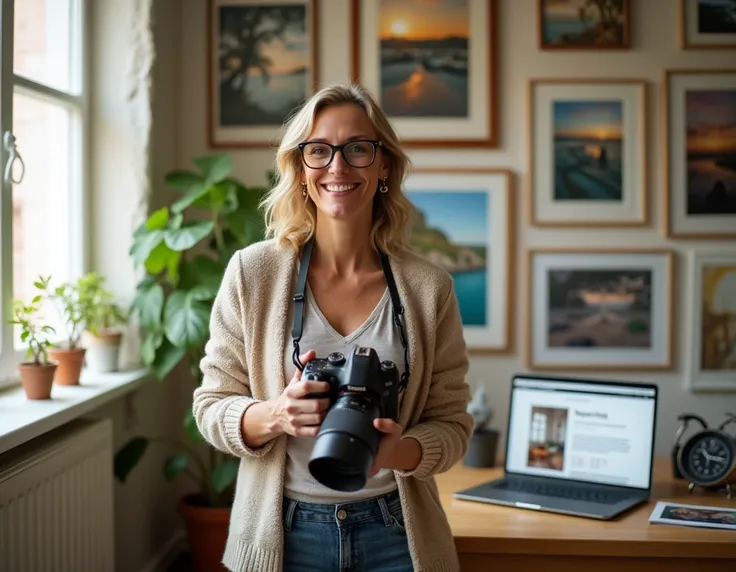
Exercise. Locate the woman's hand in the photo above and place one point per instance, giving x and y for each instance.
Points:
(387, 446)
(294, 412)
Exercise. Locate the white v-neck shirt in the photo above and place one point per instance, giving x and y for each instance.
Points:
(379, 332)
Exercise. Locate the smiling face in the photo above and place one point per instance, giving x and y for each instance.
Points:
(339, 190)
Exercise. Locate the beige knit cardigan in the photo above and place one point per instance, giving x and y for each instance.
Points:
(244, 363)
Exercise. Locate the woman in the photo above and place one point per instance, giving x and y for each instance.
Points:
(337, 207)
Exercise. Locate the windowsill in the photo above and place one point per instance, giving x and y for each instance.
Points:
(22, 419)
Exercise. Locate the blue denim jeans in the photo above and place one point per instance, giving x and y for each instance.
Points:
(360, 536)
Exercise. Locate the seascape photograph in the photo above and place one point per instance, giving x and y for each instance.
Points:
(262, 81)
(600, 308)
(711, 151)
(451, 230)
(588, 147)
(424, 57)
(583, 23)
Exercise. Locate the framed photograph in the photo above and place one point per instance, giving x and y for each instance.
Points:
(700, 516)
(707, 24)
(432, 67)
(700, 175)
(584, 24)
(600, 309)
(588, 161)
(262, 64)
(463, 222)
(712, 344)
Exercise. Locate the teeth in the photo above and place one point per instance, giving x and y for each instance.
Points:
(340, 188)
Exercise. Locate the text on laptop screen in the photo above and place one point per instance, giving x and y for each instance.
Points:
(585, 432)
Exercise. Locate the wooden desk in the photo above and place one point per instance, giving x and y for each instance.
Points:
(497, 538)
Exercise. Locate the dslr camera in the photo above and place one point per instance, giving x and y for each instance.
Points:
(362, 389)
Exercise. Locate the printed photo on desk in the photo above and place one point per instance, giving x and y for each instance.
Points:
(693, 515)
(707, 24)
(588, 162)
(712, 353)
(700, 175)
(600, 309)
(432, 67)
(262, 64)
(463, 221)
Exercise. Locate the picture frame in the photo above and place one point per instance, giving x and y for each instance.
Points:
(464, 222)
(588, 162)
(704, 26)
(699, 190)
(432, 68)
(578, 25)
(712, 345)
(247, 104)
(600, 309)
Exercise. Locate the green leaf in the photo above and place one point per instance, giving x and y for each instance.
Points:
(167, 358)
(175, 465)
(144, 244)
(247, 226)
(191, 195)
(149, 301)
(215, 168)
(186, 320)
(158, 219)
(201, 270)
(188, 235)
(190, 426)
(150, 344)
(183, 180)
(204, 292)
(128, 457)
(224, 474)
(161, 258)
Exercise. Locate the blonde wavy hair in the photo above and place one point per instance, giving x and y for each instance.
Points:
(291, 219)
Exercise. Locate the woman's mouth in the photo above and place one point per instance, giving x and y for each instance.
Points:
(340, 188)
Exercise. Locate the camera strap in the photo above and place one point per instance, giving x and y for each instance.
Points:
(299, 308)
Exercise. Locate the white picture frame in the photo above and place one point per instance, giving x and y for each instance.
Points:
(473, 209)
(588, 156)
(713, 338)
(613, 309)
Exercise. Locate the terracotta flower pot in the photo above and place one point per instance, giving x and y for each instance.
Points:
(70, 364)
(207, 529)
(37, 380)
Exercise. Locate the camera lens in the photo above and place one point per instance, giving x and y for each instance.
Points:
(346, 444)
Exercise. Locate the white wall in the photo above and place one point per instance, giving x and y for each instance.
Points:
(655, 46)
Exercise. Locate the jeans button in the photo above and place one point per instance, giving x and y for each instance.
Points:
(342, 514)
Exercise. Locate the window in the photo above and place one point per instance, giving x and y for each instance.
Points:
(539, 427)
(43, 95)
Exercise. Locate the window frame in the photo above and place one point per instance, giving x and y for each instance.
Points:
(77, 101)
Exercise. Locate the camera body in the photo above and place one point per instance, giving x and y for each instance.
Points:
(362, 388)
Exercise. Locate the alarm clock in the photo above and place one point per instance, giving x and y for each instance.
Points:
(708, 458)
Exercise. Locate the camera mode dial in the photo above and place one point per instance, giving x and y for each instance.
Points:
(336, 358)
(387, 365)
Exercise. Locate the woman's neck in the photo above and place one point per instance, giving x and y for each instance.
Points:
(343, 248)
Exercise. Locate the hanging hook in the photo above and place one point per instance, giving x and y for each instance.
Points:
(9, 144)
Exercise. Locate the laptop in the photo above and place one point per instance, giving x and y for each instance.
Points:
(575, 446)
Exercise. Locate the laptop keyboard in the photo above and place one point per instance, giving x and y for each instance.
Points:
(561, 491)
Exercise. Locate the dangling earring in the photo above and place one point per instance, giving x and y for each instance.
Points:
(304, 189)
(383, 188)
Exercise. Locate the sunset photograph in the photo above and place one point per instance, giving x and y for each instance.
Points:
(711, 151)
(583, 22)
(424, 57)
(588, 149)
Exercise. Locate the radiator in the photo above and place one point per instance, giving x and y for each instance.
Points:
(56, 501)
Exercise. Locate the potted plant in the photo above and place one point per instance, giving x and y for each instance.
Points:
(184, 260)
(72, 301)
(483, 442)
(37, 375)
(102, 336)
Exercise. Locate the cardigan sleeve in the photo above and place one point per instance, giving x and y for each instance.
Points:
(445, 425)
(220, 402)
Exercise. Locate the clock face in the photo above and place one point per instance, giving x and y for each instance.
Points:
(708, 457)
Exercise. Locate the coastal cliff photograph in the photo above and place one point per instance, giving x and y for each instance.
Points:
(450, 230)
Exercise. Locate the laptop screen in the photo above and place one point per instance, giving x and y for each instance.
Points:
(582, 431)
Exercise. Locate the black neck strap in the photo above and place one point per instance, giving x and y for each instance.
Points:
(299, 308)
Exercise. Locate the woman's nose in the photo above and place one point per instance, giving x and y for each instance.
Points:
(338, 165)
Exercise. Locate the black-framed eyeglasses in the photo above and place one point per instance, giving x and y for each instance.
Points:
(360, 153)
